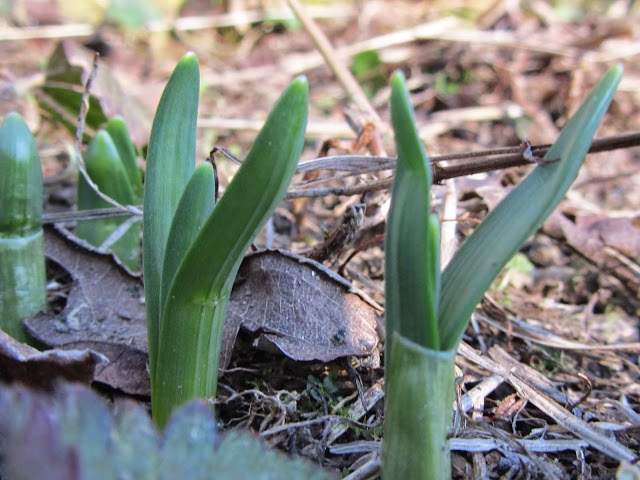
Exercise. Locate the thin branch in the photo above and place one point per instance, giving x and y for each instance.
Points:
(84, 108)
(341, 72)
(480, 161)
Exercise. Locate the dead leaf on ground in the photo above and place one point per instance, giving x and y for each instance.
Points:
(298, 305)
(105, 312)
(593, 243)
(619, 233)
(41, 370)
(306, 310)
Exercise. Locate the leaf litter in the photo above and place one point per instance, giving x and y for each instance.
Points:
(295, 304)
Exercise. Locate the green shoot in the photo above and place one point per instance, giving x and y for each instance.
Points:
(427, 312)
(22, 269)
(193, 258)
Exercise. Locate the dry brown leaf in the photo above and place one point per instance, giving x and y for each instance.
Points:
(590, 242)
(21, 363)
(105, 312)
(306, 310)
(295, 304)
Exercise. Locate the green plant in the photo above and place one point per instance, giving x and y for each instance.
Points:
(111, 164)
(73, 435)
(192, 250)
(22, 268)
(428, 311)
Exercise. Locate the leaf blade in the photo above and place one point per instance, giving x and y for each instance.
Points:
(411, 256)
(170, 164)
(482, 256)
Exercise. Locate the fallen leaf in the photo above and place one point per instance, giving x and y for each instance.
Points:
(591, 243)
(104, 312)
(301, 307)
(619, 233)
(295, 304)
(42, 370)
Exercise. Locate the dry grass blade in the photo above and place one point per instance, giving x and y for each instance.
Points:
(503, 365)
(343, 74)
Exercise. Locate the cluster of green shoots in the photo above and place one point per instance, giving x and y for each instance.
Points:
(193, 248)
(111, 164)
(427, 311)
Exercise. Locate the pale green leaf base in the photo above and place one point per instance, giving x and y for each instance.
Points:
(23, 280)
(418, 412)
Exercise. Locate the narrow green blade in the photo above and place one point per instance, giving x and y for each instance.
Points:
(519, 215)
(195, 207)
(117, 129)
(411, 252)
(170, 164)
(106, 169)
(20, 179)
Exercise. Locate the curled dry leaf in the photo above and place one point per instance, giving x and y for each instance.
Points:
(295, 304)
(41, 370)
(104, 312)
(300, 306)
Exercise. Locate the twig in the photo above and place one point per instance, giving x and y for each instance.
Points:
(84, 108)
(342, 73)
(493, 159)
(180, 24)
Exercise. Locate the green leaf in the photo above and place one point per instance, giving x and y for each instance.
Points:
(22, 267)
(412, 238)
(106, 169)
(482, 256)
(194, 208)
(170, 164)
(20, 181)
(193, 316)
(119, 133)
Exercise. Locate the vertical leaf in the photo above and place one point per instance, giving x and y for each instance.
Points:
(195, 206)
(411, 244)
(106, 169)
(170, 164)
(22, 270)
(194, 313)
(417, 416)
(117, 130)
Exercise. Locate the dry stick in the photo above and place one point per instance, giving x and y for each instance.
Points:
(579, 427)
(512, 158)
(84, 108)
(180, 24)
(498, 159)
(342, 73)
